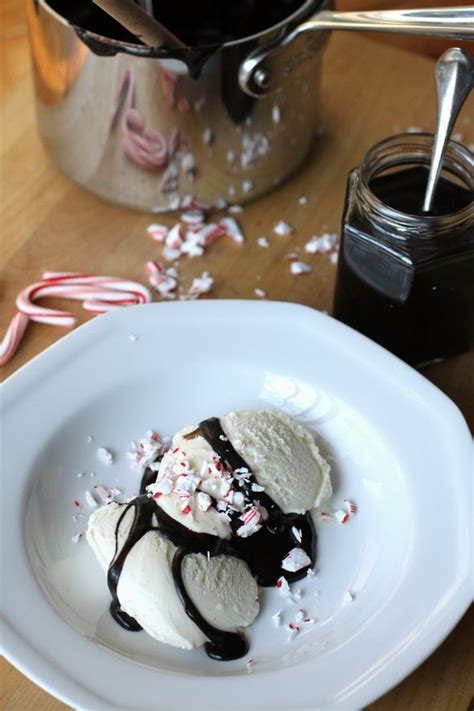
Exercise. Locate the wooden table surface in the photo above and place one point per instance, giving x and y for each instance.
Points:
(369, 92)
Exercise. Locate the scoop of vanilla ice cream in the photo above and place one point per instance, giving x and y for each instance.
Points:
(198, 455)
(222, 588)
(283, 456)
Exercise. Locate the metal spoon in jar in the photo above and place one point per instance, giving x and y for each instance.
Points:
(454, 80)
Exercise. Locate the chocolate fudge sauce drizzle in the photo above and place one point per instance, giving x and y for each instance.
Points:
(263, 551)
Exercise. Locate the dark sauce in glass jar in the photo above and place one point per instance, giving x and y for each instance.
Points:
(406, 278)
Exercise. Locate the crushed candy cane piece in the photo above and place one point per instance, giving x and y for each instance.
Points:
(282, 585)
(157, 232)
(155, 271)
(193, 217)
(90, 500)
(167, 287)
(77, 504)
(164, 487)
(349, 596)
(105, 456)
(293, 629)
(283, 228)
(261, 293)
(295, 560)
(232, 229)
(277, 618)
(263, 242)
(257, 487)
(146, 451)
(302, 200)
(341, 516)
(192, 250)
(351, 508)
(202, 285)
(310, 573)
(78, 537)
(322, 244)
(239, 499)
(300, 268)
(175, 237)
(276, 114)
(100, 493)
(252, 519)
(248, 186)
(235, 209)
(300, 616)
(242, 474)
(171, 254)
(204, 501)
(81, 475)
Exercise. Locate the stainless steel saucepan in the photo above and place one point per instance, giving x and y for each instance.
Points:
(223, 124)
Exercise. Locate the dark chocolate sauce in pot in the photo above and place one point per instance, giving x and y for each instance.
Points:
(197, 24)
(263, 551)
(204, 27)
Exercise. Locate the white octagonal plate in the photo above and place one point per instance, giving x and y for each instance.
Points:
(398, 447)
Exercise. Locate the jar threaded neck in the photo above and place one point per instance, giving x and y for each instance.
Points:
(413, 149)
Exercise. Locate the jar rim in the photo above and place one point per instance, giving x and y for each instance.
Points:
(418, 148)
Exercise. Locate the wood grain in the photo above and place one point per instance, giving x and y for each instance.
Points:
(369, 91)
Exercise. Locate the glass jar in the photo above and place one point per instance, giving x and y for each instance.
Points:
(406, 278)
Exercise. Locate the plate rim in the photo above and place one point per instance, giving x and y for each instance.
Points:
(50, 678)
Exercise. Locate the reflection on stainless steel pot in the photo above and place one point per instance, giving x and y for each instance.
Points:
(224, 121)
(138, 129)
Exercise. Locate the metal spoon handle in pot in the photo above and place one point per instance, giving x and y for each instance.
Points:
(270, 64)
(454, 81)
(139, 23)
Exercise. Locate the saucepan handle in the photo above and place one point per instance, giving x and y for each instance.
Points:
(259, 74)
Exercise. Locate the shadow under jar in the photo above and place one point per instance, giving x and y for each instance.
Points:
(406, 278)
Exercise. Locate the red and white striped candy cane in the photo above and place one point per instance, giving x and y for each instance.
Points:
(40, 314)
(12, 337)
(98, 294)
(131, 290)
